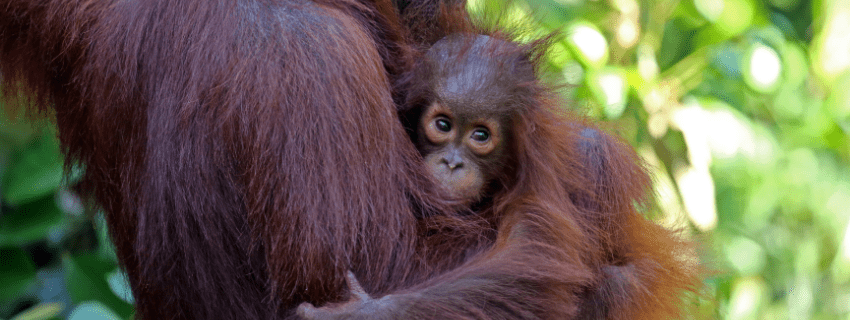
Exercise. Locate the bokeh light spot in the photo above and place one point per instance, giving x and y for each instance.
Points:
(710, 9)
(835, 45)
(697, 188)
(745, 255)
(747, 295)
(590, 43)
(764, 68)
(614, 90)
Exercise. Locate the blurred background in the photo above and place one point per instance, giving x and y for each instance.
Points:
(741, 108)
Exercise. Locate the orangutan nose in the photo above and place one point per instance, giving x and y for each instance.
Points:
(453, 160)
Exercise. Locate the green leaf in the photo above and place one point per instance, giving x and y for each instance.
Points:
(42, 311)
(120, 285)
(107, 249)
(838, 103)
(17, 272)
(93, 311)
(31, 222)
(86, 279)
(36, 172)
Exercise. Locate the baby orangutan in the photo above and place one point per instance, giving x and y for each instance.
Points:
(463, 147)
(462, 119)
(465, 131)
(471, 108)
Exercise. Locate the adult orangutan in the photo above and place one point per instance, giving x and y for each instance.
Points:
(248, 154)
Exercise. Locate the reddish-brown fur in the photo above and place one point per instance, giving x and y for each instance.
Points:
(248, 153)
(638, 270)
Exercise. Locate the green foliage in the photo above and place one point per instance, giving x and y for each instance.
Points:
(16, 272)
(35, 172)
(741, 108)
(57, 261)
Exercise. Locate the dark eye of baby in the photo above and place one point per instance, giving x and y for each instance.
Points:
(443, 125)
(480, 135)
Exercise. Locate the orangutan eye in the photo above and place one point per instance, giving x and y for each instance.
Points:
(481, 135)
(443, 125)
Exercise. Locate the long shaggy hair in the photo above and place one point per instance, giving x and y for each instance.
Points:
(248, 153)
